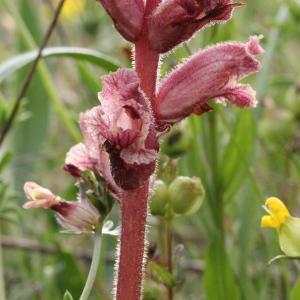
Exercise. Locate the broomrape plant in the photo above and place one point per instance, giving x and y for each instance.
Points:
(121, 137)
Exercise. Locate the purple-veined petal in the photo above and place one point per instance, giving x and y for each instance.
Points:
(212, 73)
(123, 127)
(175, 21)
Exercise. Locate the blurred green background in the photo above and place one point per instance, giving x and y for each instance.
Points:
(241, 156)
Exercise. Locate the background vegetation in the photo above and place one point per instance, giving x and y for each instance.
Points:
(241, 156)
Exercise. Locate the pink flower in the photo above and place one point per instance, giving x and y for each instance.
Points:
(212, 73)
(78, 160)
(175, 21)
(127, 16)
(123, 127)
(38, 197)
(80, 216)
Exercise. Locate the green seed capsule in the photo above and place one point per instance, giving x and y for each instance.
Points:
(186, 195)
(159, 199)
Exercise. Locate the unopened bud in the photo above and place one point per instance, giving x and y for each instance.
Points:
(186, 194)
(159, 198)
(127, 16)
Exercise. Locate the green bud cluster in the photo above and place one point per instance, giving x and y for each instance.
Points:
(183, 196)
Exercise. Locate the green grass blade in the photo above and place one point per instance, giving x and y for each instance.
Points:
(97, 58)
(44, 73)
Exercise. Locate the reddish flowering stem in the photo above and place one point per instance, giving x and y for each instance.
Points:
(132, 248)
(134, 203)
(146, 59)
(146, 65)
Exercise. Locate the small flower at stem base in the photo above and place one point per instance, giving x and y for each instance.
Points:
(78, 216)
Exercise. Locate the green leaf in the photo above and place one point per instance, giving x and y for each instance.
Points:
(24, 144)
(5, 160)
(97, 58)
(238, 152)
(295, 292)
(90, 80)
(43, 71)
(70, 277)
(219, 280)
(68, 296)
(161, 275)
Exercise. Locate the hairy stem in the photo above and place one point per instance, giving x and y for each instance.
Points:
(94, 267)
(146, 59)
(134, 204)
(132, 247)
(146, 65)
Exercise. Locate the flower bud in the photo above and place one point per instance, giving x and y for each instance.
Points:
(127, 16)
(186, 195)
(78, 216)
(159, 198)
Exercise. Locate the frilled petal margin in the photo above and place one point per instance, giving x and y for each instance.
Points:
(212, 73)
(123, 128)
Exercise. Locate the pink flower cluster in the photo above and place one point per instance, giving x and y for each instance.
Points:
(121, 136)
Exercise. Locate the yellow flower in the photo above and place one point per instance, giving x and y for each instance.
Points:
(72, 8)
(278, 213)
(288, 227)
